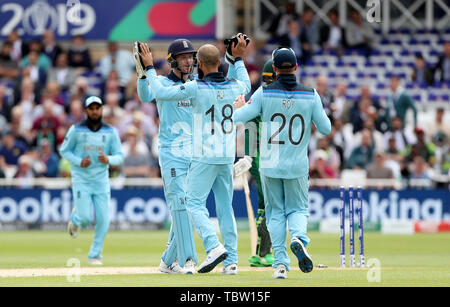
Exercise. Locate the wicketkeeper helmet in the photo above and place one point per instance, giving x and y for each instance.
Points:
(177, 47)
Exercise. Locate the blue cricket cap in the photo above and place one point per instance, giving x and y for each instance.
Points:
(91, 100)
(284, 58)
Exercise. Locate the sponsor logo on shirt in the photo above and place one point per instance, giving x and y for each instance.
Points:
(184, 103)
(94, 148)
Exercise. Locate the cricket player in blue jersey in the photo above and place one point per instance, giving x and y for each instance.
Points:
(91, 146)
(175, 151)
(214, 148)
(287, 109)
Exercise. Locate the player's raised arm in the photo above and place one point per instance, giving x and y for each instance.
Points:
(229, 57)
(319, 117)
(185, 91)
(250, 110)
(144, 91)
(142, 59)
(241, 72)
(66, 149)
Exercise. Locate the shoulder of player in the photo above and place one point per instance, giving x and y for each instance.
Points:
(107, 127)
(277, 86)
(216, 82)
(80, 126)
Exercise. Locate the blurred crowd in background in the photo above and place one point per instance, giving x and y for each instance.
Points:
(379, 123)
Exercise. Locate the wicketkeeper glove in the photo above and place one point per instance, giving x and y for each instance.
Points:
(229, 58)
(140, 67)
(243, 165)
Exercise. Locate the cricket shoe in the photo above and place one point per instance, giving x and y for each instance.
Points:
(189, 267)
(215, 256)
(231, 269)
(72, 229)
(280, 272)
(95, 261)
(174, 268)
(304, 260)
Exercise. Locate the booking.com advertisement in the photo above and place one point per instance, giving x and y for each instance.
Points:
(137, 206)
(100, 20)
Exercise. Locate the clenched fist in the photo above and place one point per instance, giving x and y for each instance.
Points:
(85, 162)
(103, 158)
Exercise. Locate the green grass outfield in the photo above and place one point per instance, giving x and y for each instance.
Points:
(417, 260)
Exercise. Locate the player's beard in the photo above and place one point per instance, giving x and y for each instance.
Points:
(94, 122)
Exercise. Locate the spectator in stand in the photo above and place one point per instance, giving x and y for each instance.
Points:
(442, 153)
(420, 148)
(51, 49)
(132, 133)
(399, 101)
(319, 168)
(402, 137)
(112, 101)
(37, 74)
(392, 153)
(420, 169)
(362, 155)
(49, 158)
(9, 69)
(339, 104)
(147, 128)
(64, 75)
(332, 36)
(118, 60)
(80, 89)
(53, 92)
(79, 55)
(365, 111)
(443, 64)
(438, 125)
(46, 126)
(421, 73)
(279, 26)
(378, 170)
(332, 156)
(5, 109)
(293, 39)
(20, 130)
(377, 136)
(43, 61)
(27, 100)
(19, 48)
(76, 112)
(310, 31)
(381, 122)
(342, 140)
(112, 86)
(11, 149)
(110, 117)
(326, 95)
(137, 164)
(25, 172)
(359, 34)
(135, 104)
(3, 124)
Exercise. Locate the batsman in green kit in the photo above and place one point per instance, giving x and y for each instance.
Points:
(264, 257)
